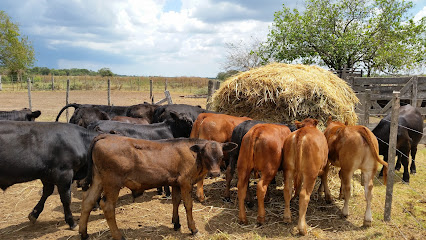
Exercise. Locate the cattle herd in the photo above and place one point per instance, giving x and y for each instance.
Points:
(147, 146)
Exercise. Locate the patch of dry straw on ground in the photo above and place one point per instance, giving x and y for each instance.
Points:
(281, 92)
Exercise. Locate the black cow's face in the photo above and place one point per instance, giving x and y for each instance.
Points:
(211, 154)
(181, 124)
(33, 115)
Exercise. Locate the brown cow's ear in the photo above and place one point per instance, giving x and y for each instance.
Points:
(196, 148)
(329, 120)
(229, 146)
(315, 122)
(298, 124)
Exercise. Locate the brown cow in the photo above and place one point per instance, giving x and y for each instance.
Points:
(216, 127)
(305, 156)
(352, 148)
(261, 150)
(142, 164)
(133, 120)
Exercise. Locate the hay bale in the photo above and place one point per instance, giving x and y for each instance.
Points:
(281, 92)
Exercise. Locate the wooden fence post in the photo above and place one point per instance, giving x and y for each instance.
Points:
(151, 96)
(414, 94)
(109, 92)
(67, 96)
(391, 155)
(168, 97)
(210, 92)
(367, 106)
(165, 85)
(53, 83)
(29, 92)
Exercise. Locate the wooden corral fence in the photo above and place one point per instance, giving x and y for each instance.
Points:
(375, 94)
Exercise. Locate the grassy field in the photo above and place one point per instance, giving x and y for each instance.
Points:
(149, 217)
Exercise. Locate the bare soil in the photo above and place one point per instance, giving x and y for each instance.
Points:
(149, 217)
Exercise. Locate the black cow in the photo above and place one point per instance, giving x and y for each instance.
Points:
(55, 153)
(19, 115)
(161, 113)
(138, 111)
(84, 116)
(410, 132)
(175, 127)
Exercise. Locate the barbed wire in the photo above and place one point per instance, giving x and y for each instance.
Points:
(406, 127)
(408, 159)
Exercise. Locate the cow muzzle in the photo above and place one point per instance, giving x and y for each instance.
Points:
(215, 173)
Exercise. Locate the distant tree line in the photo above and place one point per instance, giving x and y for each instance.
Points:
(69, 72)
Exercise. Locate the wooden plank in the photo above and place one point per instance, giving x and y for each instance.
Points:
(380, 80)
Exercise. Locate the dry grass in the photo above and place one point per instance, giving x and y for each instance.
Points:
(284, 92)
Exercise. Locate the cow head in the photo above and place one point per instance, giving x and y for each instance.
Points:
(180, 123)
(31, 116)
(210, 154)
(86, 115)
(307, 122)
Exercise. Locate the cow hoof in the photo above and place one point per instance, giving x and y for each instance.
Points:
(243, 222)
(176, 226)
(413, 171)
(73, 226)
(328, 200)
(287, 219)
(303, 232)
(84, 236)
(260, 221)
(195, 232)
(367, 223)
(32, 218)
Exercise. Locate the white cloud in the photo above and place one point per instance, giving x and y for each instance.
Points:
(420, 14)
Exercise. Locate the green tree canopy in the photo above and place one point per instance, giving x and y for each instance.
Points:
(16, 51)
(377, 35)
(105, 72)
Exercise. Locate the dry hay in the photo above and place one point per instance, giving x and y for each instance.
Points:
(281, 92)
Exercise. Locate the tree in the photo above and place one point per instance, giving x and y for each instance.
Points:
(242, 56)
(105, 72)
(16, 51)
(375, 35)
(224, 75)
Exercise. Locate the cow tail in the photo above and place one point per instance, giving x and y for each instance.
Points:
(88, 180)
(75, 105)
(298, 180)
(364, 133)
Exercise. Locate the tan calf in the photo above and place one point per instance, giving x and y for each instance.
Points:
(352, 148)
(305, 156)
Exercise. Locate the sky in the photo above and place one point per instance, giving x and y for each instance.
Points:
(145, 37)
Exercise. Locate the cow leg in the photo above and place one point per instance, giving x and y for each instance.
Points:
(65, 195)
(345, 177)
(324, 184)
(304, 197)
(262, 187)
(187, 202)
(108, 203)
(404, 161)
(398, 161)
(176, 199)
(167, 190)
(243, 178)
(90, 199)
(368, 192)
(385, 158)
(47, 191)
(229, 174)
(288, 189)
(200, 190)
(413, 158)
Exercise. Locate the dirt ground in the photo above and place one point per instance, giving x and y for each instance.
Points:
(149, 217)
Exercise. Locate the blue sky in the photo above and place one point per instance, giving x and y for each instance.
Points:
(145, 37)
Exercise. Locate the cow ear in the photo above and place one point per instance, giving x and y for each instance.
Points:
(298, 124)
(36, 114)
(315, 122)
(329, 120)
(229, 146)
(196, 148)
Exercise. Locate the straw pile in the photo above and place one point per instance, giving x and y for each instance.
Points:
(286, 92)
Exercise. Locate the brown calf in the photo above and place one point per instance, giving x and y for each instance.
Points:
(305, 156)
(140, 165)
(216, 127)
(261, 150)
(352, 148)
(130, 120)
